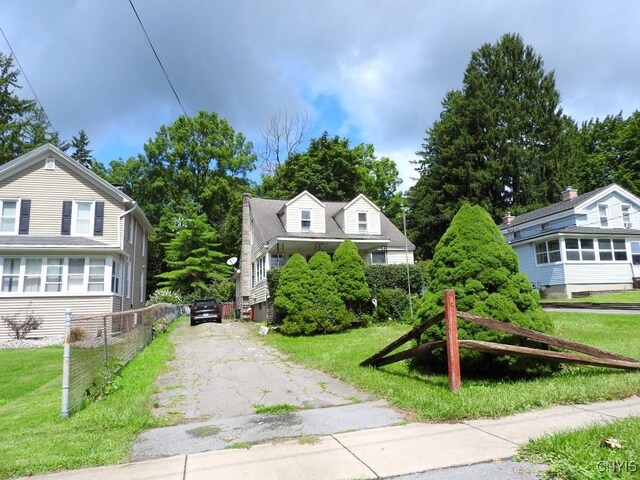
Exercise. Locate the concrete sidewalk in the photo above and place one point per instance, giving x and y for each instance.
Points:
(374, 453)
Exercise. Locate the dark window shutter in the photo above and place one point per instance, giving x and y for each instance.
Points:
(66, 218)
(98, 221)
(25, 214)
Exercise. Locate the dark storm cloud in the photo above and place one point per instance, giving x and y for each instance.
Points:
(388, 63)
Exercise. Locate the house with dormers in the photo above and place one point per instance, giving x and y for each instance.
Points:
(68, 239)
(588, 242)
(273, 230)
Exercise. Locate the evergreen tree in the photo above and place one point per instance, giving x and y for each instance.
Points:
(292, 295)
(13, 112)
(329, 310)
(348, 270)
(81, 152)
(473, 259)
(192, 257)
(501, 142)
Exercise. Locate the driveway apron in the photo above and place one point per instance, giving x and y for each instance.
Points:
(222, 373)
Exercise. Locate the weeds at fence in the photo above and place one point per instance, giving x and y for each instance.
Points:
(101, 345)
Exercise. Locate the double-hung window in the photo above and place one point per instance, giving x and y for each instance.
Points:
(9, 216)
(82, 218)
(635, 253)
(362, 222)
(32, 275)
(548, 252)
(626, 216)
(603, 210)
(96, 275)
(612, 249)
(116, 272)
(580, 249)
(10, 274)
(75, 275)
(53, 275)
(379, 257)
(277, 260)
(305, 220)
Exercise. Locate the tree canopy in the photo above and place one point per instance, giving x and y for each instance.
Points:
(81, 152)
(501, 142)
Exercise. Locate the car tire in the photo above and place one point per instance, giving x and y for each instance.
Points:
(193, 324)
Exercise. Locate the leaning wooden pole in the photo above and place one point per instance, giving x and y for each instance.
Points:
(451, 331)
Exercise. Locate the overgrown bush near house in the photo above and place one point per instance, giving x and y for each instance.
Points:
(393, 305)
(77, 334)
(393, 276)
(474, 260)
(293, 294)
(20, 325)
(222, 290)
(165, 295)
(348, 270)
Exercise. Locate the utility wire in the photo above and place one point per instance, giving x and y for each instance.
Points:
(24, 74)
(158, 58)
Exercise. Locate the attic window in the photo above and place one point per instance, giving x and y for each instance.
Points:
(49, 163)
(305, 220)
(604, 215)
(362, 222)
(544, 226)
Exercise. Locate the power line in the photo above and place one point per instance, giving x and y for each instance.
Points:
(158, 58)
(24, 74)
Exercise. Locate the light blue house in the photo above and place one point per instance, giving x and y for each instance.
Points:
(588, 242)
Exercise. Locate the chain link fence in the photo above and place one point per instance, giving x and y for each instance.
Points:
(97, 346)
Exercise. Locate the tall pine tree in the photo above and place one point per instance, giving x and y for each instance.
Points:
(501, 142)
(81, 152)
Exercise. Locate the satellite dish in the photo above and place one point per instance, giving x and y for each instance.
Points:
(232, 261)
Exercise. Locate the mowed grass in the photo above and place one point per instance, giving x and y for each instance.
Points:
(35, 439)
(429, 397)
(583, 454)
(632, 296)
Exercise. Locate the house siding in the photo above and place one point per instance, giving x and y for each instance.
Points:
(46, 203)
(52, 310)
(613, 200)
(595, 273)
(351, 218)
(339, 218)
(395, 257)
(552, 274)
(294, 215)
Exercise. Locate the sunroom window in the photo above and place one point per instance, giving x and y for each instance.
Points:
(580, 249)
(612, 250)
(548, 252)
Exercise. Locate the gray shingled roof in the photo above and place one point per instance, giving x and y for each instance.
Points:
(582, 231)
(554, 208)
(265, 215)
(56, 241)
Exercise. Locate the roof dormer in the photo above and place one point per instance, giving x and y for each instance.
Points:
(359, 217)
(303, 213)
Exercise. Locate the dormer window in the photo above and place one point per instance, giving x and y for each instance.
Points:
(305, 220)
(362, 222)
(604, 215)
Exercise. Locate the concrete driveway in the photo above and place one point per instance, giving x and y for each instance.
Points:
(220, 376)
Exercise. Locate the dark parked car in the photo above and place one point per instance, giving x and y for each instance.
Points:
(205, 311)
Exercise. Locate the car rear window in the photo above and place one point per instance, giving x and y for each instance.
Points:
(204, 302)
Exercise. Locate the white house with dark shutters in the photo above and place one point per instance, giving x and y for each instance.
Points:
(588, 242)
(68, 239)
(273, 230)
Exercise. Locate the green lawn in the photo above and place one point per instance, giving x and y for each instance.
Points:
(581, 454)
(429, 397)
(34, 439)
(632, 296)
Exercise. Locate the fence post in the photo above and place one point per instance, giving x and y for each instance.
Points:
(105, 341)
(66, 363)
(451, 331)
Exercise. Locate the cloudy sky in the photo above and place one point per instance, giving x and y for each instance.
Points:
(375, 71)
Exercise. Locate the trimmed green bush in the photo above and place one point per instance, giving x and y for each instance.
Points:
(474, 260)
(393, 276)
(292, 295)
(348, 270)
(393, 305)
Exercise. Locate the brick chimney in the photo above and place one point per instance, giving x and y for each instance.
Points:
(569, 194)
(508, 218)
(245, 256)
